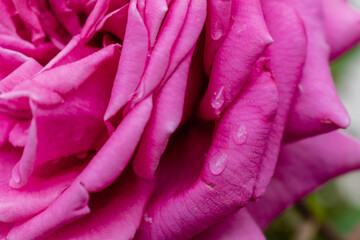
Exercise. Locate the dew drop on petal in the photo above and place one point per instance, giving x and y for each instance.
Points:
(217, 31)
(218, 100)
(217, 163)
(240, 135)
(147, 218)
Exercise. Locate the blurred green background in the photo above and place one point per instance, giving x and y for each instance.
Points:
(333, 211)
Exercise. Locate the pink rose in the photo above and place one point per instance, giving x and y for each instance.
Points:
(166, 119)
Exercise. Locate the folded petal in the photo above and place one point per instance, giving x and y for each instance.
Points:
(165, 119)
(189, 34)
(132, 62)
(4, 229)
(30, 19)
(341, 20)
(246, 40)
(155, 11)
(42, 52)
(103, 170)
(66, 16)
(94, 19)
(9, 61)
(23, 72)
(116, 212)
(116, 21)
(286, 60)
(240, 225)
(216, 28)
(58, 123)
(159, 58)
(200, 196)
(317, 107)
(45, 186)
(303, 166)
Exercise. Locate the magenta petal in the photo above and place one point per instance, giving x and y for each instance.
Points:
(114, 156)
(116, 21)
(66, 16)
(76, 73)
(40, 191)
(161, 53)
(9, 61)
(6, 12)
(155, 11)
(240, 225)
(317, 107)
(189, 34)
(56, 130)
(116, 213)
(94, 19)
(341, 20)
(23, 72)
(68, 207)
(216, 28)
(229, 172)
(165, 118)
(132, 62)
(4, 229)
(245, 42)
(42, 52)
(286, 59)
(302, 167)
(31, 20)
(103, 170)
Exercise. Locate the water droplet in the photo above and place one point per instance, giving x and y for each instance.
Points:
(326, 121)
(240, 135)
(217, 163)
(147, 219)
(301, 88)
(217, 31)
(218, 100)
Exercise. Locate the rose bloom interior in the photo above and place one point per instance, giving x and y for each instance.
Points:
(167, 119)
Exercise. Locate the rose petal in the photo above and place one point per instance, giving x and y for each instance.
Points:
(66, 16)
(302, 167)
(94, 19)
(132, 62)
(216, 28)
(9, 61)
(189, 34)
(240, 225)
(116, 212)
(317, 107)
(161, 53)
(81, 112)
(286, 60)
(42, 52)
(40, 191)
(245, 42)
(155, 11)
(341, 20)
(23, 72)
(165, 118)
(116, 21)
(103, 170)
(30, 19)
(4, 229)
(228, 177)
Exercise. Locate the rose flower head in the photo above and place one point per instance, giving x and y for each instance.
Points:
(167, 119)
